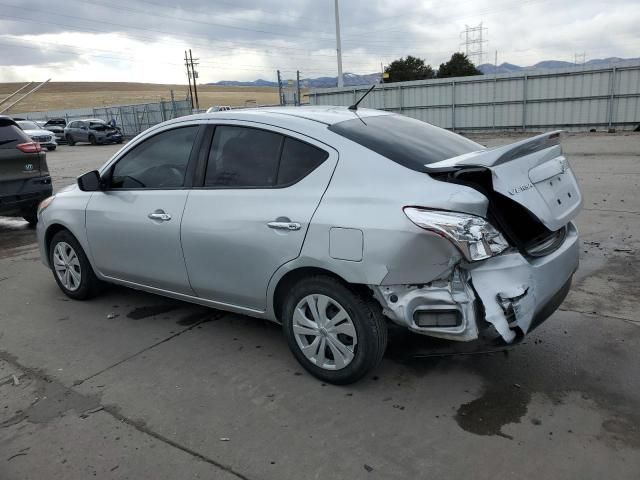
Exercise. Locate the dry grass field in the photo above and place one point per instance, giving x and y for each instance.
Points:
(64, 95)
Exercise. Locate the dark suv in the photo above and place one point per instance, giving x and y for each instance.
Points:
(56, 125)
(24, 175)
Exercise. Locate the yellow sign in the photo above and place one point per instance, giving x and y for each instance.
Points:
(385, 75)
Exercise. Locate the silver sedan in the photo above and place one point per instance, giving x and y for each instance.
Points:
(330, 221)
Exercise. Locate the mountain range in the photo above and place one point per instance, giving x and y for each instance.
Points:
(352, 79)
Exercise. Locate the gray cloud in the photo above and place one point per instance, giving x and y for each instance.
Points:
(247, 39)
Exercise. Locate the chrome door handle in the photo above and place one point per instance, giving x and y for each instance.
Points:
(284, 225)
(159, 215)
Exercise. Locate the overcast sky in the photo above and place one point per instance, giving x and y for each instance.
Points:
(144, 40)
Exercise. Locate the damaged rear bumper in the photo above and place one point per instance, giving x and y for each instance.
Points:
(508, 294)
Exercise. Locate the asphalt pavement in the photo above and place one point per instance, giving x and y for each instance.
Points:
(133, 385)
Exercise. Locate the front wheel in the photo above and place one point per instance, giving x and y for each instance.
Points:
(71, 268)
(51, 149)
(70, 141)
(92, 140)
(336, 334)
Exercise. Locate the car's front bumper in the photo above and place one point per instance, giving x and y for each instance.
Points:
(508, 294)
(113, 138)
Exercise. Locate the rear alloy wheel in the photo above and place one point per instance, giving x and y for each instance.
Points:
(336, 334)
(70, 141)
(71, 268)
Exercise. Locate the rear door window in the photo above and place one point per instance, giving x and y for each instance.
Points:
(243, 157)
(298, 160)
(404, 140)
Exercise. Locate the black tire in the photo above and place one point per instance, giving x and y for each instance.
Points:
(366, 316)
(119, 142)
(31, 215)
(92, 140)
(89, 284)
(70, 141)
(51, 149)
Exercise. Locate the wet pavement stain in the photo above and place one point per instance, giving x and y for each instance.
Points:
(196, 317)
(150, 311)
(498, 406)
(52, 398)
(554, 361)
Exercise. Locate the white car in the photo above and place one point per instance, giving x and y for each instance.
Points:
(220, 108)
(44, 137)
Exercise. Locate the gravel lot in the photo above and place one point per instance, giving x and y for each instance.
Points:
(132, 385)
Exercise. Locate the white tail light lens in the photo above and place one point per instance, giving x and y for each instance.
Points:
(476, 238)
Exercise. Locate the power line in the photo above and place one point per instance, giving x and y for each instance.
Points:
(120, 7)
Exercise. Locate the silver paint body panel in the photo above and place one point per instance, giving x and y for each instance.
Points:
(218, 249)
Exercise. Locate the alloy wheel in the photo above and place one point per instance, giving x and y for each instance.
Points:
(324, 332)
(67, 266)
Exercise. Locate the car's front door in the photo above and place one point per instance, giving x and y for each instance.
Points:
(133, 226)
(81, 133)
(250, 216)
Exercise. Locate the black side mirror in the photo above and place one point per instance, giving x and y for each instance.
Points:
(90, 181)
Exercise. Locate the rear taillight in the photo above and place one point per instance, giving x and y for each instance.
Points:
(30, 147)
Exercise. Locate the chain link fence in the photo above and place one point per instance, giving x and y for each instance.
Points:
(130, 119)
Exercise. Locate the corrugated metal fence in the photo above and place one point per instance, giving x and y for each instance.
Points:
(131, 119)
(575, 99)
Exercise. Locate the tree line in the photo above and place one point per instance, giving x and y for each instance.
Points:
(414, 68)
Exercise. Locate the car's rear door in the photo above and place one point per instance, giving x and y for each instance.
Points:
(259, 190)
(133, 226)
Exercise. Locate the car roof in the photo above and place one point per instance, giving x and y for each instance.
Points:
(327, 115)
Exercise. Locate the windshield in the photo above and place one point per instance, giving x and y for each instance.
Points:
(27, 125)
(404, 140)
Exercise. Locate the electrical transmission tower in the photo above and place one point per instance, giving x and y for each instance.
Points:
(473, 42)
(579, 58)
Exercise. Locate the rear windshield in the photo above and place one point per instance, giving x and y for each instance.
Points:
(404, 140)
(10, 136)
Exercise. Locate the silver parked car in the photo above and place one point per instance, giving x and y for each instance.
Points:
(329, 221)
(92, 130)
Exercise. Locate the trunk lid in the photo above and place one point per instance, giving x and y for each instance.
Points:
(532, 173)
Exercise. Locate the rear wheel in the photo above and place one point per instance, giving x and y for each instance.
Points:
(336, 334)
(70, 141)
(31, 215)
(71, 268)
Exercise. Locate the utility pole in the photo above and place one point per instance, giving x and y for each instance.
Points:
(280, 98)
(195, 77)
(338, 47)
(186, 64)
(298, 86)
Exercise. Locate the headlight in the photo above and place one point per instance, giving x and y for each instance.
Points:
(45, 203)
(476, 238)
